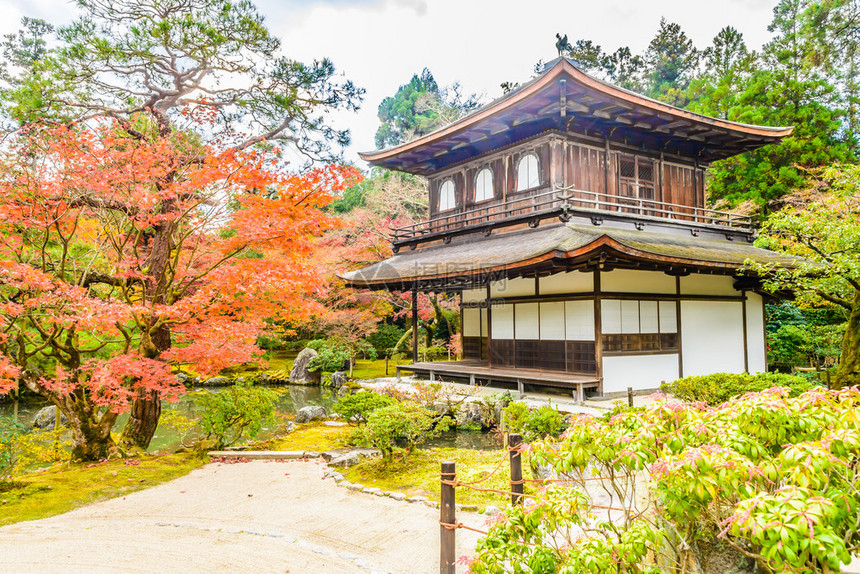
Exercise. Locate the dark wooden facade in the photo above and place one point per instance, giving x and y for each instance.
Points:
(578, 165)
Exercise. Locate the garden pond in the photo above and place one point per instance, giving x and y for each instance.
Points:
(290, 399)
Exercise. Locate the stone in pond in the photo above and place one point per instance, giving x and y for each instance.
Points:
(311, 413)
(46, 416)
(338, 379)
(216, 382)
(300, 375)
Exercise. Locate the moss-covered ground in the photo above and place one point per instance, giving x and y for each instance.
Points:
(418, 474)
(65, 487)
(312, 436)
(415, 474)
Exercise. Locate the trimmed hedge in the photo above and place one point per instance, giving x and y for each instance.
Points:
(720, 387)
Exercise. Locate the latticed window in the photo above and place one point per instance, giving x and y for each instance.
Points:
(528, 172)
(636, 177)
(484, 185)
(447, 199)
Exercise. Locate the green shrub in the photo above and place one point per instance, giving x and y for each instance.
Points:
(533, 424)
(385, 337)
(404, 423)
(330, 356)
(358, 407)
(436, 353)
(719, 387)
(10, 430)
(236, 412)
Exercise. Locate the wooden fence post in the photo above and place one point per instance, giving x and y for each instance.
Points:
(447, 515)
(629, 396)
(514, 441)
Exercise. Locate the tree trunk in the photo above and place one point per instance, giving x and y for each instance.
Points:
(142, 421)
(146, 410)
(848, 372)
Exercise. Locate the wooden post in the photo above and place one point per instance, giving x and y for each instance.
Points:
(514, 441)
(415, 323)
(629, 396)
(386, 365)
(448, 515)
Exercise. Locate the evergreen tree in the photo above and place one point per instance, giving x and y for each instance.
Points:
(420, 107)
(785, 87)
(671, 60)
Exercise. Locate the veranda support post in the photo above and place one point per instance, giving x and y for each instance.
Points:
(415, 324)
(514, 442)
(448, 516)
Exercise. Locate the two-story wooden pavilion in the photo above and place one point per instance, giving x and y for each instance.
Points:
(570, 215)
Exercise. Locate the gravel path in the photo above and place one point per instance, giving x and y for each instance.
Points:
(245, 517)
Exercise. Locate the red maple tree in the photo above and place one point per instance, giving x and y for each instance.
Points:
(81, 312)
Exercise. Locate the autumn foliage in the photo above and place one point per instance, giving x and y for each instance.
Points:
(88, 212)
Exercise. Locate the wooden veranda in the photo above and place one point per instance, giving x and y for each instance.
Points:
(477, 371)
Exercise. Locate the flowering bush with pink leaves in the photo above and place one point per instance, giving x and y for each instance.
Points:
(770, 479)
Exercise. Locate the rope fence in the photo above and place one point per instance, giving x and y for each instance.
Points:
(448, 523)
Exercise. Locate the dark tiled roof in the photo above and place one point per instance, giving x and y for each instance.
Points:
(471, 255)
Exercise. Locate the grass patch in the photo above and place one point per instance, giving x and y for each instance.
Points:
(313, 436)
(418, 474)
(64, 488)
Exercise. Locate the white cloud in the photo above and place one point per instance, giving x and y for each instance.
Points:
(379, 44)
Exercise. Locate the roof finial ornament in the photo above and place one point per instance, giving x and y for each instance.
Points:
(562, 45)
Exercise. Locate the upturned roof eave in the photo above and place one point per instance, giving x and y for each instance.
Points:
(565, 67)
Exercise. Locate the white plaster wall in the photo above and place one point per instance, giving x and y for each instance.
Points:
(712, 337)
(638, 371)
(473, 295)
(698, 284)
(632, 281)
(503, 321)
(552, 321)
(649, 321)
(668, 317)
(526, 321)
(755, 333)
(471, 322)
(579, 320)
(610, 316)
(567, 282)
(519, 287)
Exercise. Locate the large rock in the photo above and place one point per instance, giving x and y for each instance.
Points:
(346, 457)
(308, 414)
(475, 414)
(216, 382)
(46, 417)
(338, 379)
(300, 375)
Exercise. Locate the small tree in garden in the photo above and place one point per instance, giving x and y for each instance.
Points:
(236, 413)
(403, 423)
(773, 479)
(78, 212)
(822, 226)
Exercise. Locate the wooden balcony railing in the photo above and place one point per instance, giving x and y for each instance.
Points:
(544, 202)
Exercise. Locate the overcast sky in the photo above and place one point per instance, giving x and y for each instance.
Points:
(379, 44)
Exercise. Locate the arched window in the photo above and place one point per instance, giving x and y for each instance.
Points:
(528, 172)
(446, 196)
(484, 185)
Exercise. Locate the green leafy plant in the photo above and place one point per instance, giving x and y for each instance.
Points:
(533, 424)
(330, 356)
(720, 387)
(359, 406)
(406, 424)
(10, 430)
(767, 478)
(236, 412)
